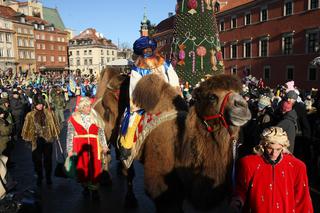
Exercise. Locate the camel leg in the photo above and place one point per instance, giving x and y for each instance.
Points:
(130, 199)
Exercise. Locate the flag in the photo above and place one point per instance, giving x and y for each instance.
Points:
(72, 84)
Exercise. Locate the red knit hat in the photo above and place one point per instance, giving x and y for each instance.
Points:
(286, 106)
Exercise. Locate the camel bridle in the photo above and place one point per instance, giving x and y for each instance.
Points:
(219, 116)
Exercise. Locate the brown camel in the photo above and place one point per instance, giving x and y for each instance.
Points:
(190, 156)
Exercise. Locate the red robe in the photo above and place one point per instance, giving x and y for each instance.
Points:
(279, 188)
(86, 145)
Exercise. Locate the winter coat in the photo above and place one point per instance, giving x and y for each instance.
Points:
(302, 121)
(262, 187)
(17, 108)
(289, 124)
(5, 133)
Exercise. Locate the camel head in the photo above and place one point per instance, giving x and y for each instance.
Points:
(219, 104)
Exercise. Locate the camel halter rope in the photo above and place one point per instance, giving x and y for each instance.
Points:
(222, 119)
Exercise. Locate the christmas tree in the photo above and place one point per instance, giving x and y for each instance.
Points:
(196, 48)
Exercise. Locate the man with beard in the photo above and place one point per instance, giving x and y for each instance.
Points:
(41, 129)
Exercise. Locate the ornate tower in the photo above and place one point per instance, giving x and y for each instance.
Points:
(196, 47)
(144, 25)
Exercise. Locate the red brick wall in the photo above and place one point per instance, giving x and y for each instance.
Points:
(63, 52)
(276, 26)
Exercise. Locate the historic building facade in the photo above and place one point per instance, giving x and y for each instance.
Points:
(273, 40)
(8, 45)
(50, 45)
(89, 52)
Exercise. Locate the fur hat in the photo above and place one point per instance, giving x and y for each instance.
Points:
(292, 95)
(263, 102)
(38, 99)
(286, 106)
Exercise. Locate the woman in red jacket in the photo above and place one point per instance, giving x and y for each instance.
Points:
(272, 180)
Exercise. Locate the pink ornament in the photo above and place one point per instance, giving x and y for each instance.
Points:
(201, 51)
(192, 5)
(182, 54)
(193, 55)
(219, 56)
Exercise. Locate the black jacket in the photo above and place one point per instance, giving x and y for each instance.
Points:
(303, 123)
(289, 124)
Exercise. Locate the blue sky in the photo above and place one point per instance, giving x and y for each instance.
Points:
(115, 19)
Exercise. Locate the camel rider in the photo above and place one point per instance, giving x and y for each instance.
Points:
(148, 62)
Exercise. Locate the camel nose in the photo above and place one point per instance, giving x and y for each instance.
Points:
(239, 101)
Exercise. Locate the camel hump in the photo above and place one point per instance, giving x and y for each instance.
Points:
(154, 95)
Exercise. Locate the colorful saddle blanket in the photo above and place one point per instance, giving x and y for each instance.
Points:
(147, 123)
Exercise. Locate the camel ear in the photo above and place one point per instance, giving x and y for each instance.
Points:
(147, 92)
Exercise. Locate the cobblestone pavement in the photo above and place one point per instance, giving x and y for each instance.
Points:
(65, 194)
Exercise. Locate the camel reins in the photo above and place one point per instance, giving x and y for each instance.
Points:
(219, 116)
(222, 119)
(116, 92)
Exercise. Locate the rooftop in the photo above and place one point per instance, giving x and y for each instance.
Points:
(52, 16)
(96, 38)
(231, 4)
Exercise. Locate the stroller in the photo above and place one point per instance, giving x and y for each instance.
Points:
(11, 201)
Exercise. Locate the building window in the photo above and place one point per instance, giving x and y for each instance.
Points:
(312, 74)
(90, 61)
(52, 58)
(43, 46)
(8, 37)
(51, 38)
(234, 22)
(43, 37)
(264, 14)
(63, 59)
(1, 37)
(287, 44)
(31, 43)
(233, 49)
(37, 36)
(247, 19)
(290, 73)
(39, 58)
(78, 53)
(222, 51)
(78, 62)
(85, 61)
(221, 26)
(263, 47)
(107, 52)
(62, 39)
(102, 61)
(21, 54)
(247, 49)
(9, 53)
(313, 4)
(90, 52)
(1, 52)
(33, 55)
(38, 46)
(44, 58)
(85, 52)
(70, 52)
(266, 73)
(288, 8)
(19, 30)
(60, 59)
(101, 52)
(234, 70)
(71, 61)
(312, 41)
